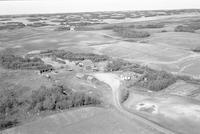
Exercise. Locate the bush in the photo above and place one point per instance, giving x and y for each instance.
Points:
(130, 33)
(184, 29)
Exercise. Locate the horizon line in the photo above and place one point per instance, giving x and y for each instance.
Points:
(76, 12)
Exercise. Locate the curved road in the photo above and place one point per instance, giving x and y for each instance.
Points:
(114, 82)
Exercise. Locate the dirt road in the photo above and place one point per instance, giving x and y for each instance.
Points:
(114, 82)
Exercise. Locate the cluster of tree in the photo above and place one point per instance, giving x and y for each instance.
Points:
(197, 49)
(117, 65)
(156, 80)
(12, 26)
(81, 24)
(130, 33)
(122, 65)
(85, 28)
(11, 61)
(34, 19)
(38, 24)
(118, 17)
(181, 28)
(153, 25)
(194, 25)
(108, 26)
(13, 104)
(62, 28)
(59, 98)
(76, 56)
(151, 79)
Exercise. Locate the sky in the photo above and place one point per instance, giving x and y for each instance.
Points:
(64, 6)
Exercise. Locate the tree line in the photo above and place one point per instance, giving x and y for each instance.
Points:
(75, 56)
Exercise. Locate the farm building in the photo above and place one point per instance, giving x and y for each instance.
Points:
(79, 75)
(130, 76)
(90, 78)
(72, 28)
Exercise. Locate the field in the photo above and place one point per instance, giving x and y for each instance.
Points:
(168, 50)
(101, 72)
(85, 121)
(183, 112)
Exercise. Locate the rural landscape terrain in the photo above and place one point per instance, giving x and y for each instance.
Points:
(119, 72)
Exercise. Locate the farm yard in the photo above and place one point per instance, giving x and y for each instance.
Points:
(95, 72)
